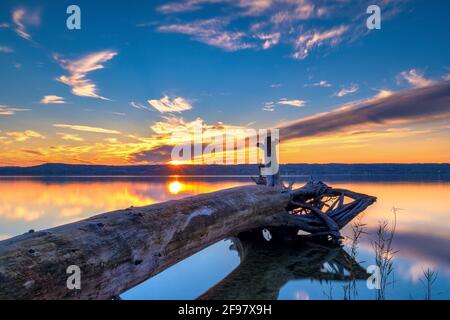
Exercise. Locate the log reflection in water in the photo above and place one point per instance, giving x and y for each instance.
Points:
(267, 266)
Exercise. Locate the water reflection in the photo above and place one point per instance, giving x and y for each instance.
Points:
(267, 266)
(176, 187)
(422, 236)
(40, 204)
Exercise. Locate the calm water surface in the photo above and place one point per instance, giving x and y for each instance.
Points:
(303, 272)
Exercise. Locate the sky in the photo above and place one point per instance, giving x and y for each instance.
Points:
(138, 71)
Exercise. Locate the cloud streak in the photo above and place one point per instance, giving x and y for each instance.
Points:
(86, 128)
(270, 106)
(415, 105)
(322, 83)
(294, 103)
(346, 91)
(79, 69)
(184, 6)
(9, 111)
(21, 18)
(6, 49)
(211, 32)
(70, 137)
(140, 106)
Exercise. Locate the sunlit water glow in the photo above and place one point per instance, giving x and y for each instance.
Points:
(422, 238)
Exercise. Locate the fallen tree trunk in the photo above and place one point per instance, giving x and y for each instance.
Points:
(118, 250)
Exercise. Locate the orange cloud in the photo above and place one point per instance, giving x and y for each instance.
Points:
(86, 128)
(70, 137)
(25, 135)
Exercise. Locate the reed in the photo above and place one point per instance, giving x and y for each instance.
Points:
(384, 254)
(429, 278)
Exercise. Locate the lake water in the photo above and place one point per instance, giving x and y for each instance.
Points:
(422, 238)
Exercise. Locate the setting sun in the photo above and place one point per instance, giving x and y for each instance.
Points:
(176, 162)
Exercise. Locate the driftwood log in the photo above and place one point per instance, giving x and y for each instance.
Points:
(117, 250)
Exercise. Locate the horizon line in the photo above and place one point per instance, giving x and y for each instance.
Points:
(225, 165)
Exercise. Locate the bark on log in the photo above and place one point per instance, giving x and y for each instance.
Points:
(118, 250)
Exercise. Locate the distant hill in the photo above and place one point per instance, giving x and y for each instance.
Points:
(316, 170)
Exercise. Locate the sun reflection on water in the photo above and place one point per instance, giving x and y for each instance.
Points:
(422, 236)
(176, 187)
(39, 204)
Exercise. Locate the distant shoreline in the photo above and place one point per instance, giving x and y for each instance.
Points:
(341, 171)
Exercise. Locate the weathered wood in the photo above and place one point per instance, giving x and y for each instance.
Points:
(118, 250)
(333, 228)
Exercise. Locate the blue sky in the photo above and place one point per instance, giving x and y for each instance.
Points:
(263, 63)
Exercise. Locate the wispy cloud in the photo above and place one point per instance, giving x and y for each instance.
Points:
(299, 10)
(270, 105)
(293, 103)
(175, 7)
(22, 18)
(249, 7)
(308, 41)
(416, 78)
(419, 104)
(346, 91)
(322, 83)
(52, 99)
(295, 22)
(211, 32)
(140, 106)
(70, 137)
(79, 69)
(86, 128)
(184, 6)
(166, 104)
(8, 111)
(254, 7)
(6, 49)
(25, 135)
(270, 39)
